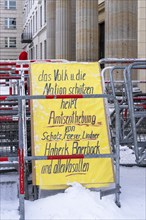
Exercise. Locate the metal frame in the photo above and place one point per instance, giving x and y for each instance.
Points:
(141, 114)
(132, 115)
(22, 157)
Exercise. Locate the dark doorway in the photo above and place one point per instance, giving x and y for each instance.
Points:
(101, 40)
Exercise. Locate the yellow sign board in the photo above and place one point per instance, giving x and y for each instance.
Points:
(69, 126)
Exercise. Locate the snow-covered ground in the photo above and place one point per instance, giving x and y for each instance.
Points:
(80, 203)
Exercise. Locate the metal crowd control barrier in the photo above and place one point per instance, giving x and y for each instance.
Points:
(10, 77)
(132, 104)
(20, 98)
(22, 147)
(9, 81)
(8, 112)
(137, 114)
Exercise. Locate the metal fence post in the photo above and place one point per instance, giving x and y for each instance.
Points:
(21, 150)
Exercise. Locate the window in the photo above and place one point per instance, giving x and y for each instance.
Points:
(33, 29)
(41, 52)
(10, 4)
(45, 11)
(31, 53)
(30, 4)
(10, 42)
(36, 51)
(10, 23)
(41, 21)
(36, 22)
(45, 49)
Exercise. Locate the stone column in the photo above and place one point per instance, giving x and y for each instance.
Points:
(51, 15)
(121, 29)
(73, 30)
(87, 30)
(63, 29)
(142, 40)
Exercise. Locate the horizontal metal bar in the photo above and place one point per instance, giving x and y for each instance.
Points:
(8, 118)
(109, 192)
(9, 103)
(55, 157)
(12, 76)
(8, 112)
(122, 81)
(7, 63)
(60, 157)
(100, 156)
(7, 182)
(9, 165)
(15, 97)
(3, 159)
(9, 77)
(139, 98)
(123, 60)
(140, 114)
(5, 69)
(9, 144)
(75, 156)
(10, 159)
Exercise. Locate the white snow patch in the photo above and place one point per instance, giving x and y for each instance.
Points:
(80, 203)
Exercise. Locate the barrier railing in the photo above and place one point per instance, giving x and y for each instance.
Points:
(127, 119)
(131, 102)
(18, 100)
(22, 158)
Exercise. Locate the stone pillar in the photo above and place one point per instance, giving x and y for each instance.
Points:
(121, 29)
(87, 30)
(142, 40)
(63, 29)
(73, 30)
(51, 27)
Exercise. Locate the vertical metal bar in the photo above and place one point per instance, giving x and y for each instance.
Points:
(117, 180)
(103, 72)
(28, 87)
(23, 111)
(112, 78)
(10, 87)
(21, 154)
(128, 85)
(24, 130)
(21, 183)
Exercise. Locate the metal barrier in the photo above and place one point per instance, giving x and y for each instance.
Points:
(22, 158)
(21, 116)
(132, 103)
(127, 118)
(11, 74)
(137, 114)
(9, 118)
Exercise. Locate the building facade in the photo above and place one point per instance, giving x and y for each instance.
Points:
(85, 30)
(10, 29)
(76, 30)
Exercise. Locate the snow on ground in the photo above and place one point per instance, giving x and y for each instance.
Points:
(4, 90)
(80, 203)
(127, 155)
